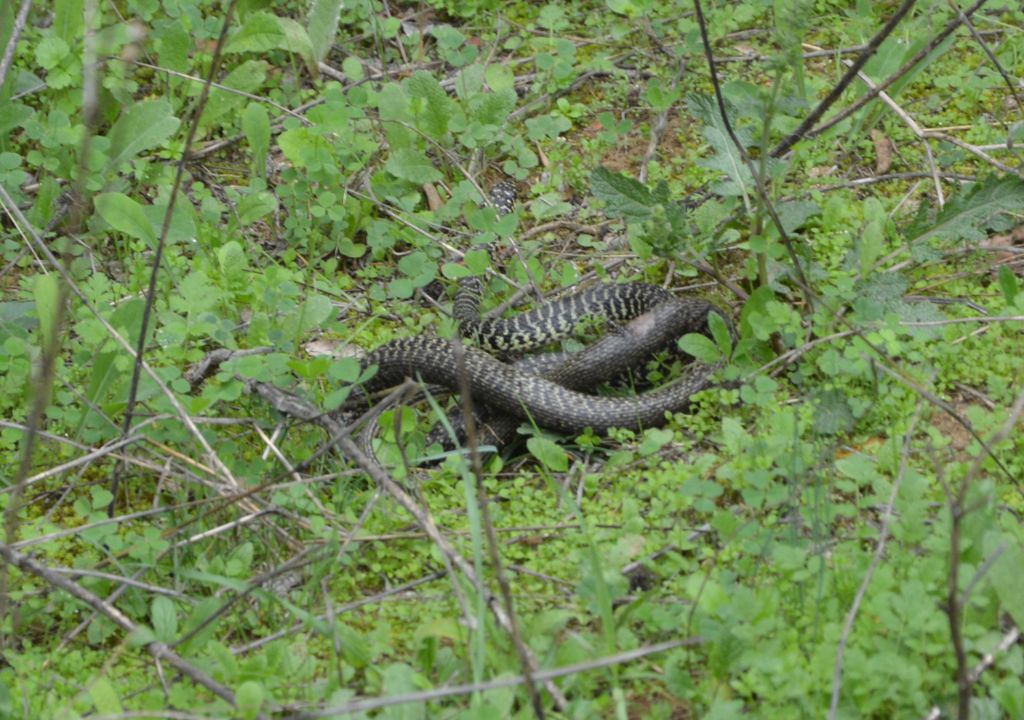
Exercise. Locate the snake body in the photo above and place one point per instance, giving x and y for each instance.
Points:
(551, 394)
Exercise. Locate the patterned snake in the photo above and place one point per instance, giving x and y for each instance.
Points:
(553, 398)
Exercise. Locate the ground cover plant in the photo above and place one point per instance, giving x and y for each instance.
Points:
(209, 209)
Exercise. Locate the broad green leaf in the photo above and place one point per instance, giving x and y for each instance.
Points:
(322, 26)
(654, 440)
(127, 216)
(68, 19)
(500, 78)
(315, 311)
(548, 126)
(182, 228)
(623, 196)
(256, 205)
(263, 31)
(303, 147)
(105, 697)
(345, 369)
(12, 115)
(174, 45)
(1006, 574)
(249, 699)
(50, 52)
(720, 332)
(100, 498)
(393, 105)
(660, 97)
(1008, 284)
(47, 294)
(203, 610)
(700, 347)
(353, 68)
(256, 127)
(247, 77)
(141, 636)
(871, 241)
(140, 127)
(755, 313)
(548, 453)
(412, 165)
(165, 619)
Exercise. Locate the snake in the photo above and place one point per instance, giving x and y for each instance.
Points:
(554, 396)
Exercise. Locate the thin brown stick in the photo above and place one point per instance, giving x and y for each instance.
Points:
(837, 90)
(159, 651)
(12, 41)
(179, 176)
(545, 675)
(946, 31)
(762, 192)
(876, 560)
(522, 651)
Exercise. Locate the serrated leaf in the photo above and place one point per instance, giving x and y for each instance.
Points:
(127, 216)
(623, 196)
(493, 108)
(232, 260)
(140, 126)
(548, 453)
(50, 51)
(880, 294)
(700, 347)
(434, 106)
(832, 414)
(165, 619)
(795, 213)
(965, 217)
(322, 26)
(412, 165)
(726, 157)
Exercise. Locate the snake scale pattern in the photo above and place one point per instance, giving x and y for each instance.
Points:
(555, 398)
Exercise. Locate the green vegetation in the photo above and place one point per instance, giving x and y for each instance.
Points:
(834, 532)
